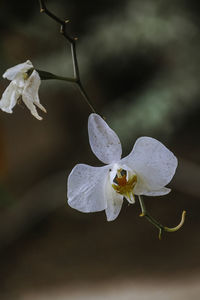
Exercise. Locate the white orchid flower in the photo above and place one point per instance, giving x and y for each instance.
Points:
(24, 86)
(145, 171)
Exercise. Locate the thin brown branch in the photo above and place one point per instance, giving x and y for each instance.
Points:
(72, 42)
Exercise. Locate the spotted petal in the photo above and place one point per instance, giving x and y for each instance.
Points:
(20, 68)
(153, 163)
(86, 188)
(103, 140)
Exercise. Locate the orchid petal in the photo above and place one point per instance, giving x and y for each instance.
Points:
(86, 188)
(29, 104)
(30, 94)
(9, 98)
(114, 202)
(104, 142)
(153, 163)
(20, 68)
(32, 87)
(161, 192)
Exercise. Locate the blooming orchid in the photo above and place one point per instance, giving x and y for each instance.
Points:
(22, 85)
(145, 171)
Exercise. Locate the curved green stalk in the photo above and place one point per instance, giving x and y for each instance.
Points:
(154, 222)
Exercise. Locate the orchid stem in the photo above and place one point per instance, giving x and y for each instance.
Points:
(160, 227)
(72, 42)
(47, 75)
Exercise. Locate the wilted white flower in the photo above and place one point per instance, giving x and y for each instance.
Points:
(145, 171)
(22, 85)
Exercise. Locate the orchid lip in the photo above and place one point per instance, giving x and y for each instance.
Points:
(124, 184)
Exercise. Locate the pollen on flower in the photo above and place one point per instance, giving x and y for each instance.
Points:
(25, 76)
(123, 186)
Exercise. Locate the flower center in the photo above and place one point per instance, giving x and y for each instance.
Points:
(123, 186)
(27, 74)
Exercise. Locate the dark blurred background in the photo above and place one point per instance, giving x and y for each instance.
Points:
(140, 64)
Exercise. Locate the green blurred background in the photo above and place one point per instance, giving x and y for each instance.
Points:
(140, 64)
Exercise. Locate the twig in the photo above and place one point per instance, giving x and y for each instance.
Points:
(72, 42)
(160, 227)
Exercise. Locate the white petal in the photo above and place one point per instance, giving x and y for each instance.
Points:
(103, 140)
(112, 172)
(114, 202)
(30, 94)
(153, 163)
(86, 188)
(32, 87)
(161, 192)
(9, 98)
(29, 104)
(19, 81)
(20, 68)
